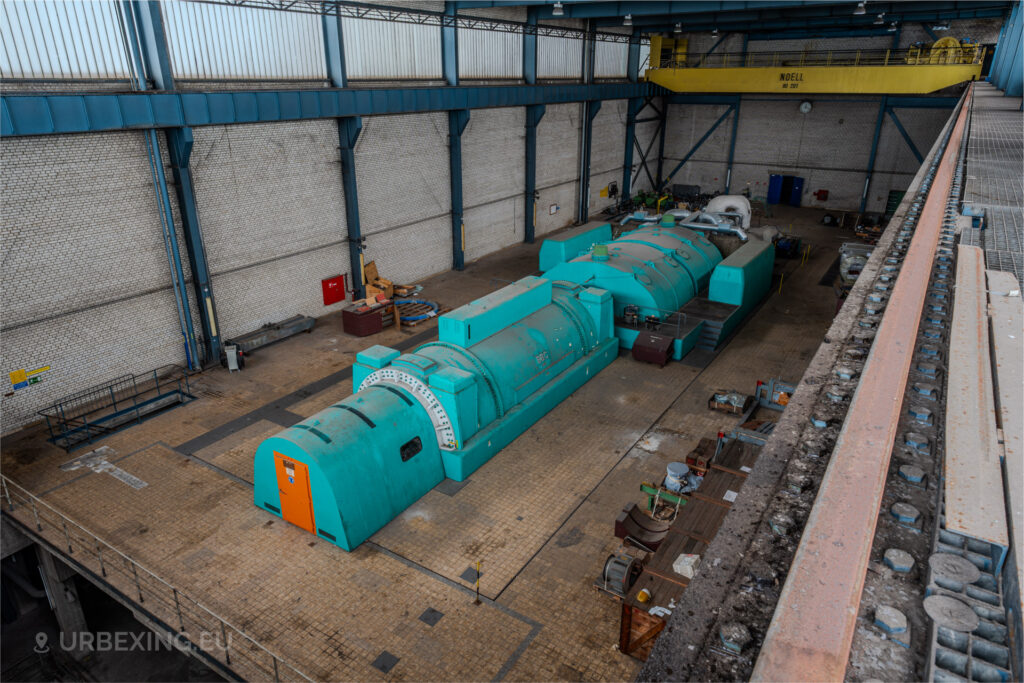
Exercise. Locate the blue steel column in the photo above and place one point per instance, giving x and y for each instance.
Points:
(999, 53)
(179, 147)
(146, 35)
(1007, 57)
(334, 49)
(449, 45)
(533, 117)
(590, 109)
(633, 58)
(457, 121)
(662, 126)
(530, 47)
(703, 139)
(153, 41)
(534, 113)
(906, 136)
(348, 133)
(874, 152)
(732, 144)
(1013, 84)
(633, 108)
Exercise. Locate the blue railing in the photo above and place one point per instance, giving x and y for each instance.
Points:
(99, 411)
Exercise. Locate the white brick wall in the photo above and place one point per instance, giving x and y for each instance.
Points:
(685, 125)
(273, 215)
(493, 179)
(409, 253)
(558, 159)
(405, 194)
(492, 226)
(80, 216)
(646, 134)
(86, 284)
(829, 147)
(563, 196)
(606, 152)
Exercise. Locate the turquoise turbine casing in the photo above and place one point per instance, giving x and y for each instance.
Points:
(500, 364)
(656, 268)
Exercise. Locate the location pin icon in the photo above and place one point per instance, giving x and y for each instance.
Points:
(41, 646)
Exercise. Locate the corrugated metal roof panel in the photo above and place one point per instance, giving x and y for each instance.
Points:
(490, 54)
(386, 50)
(62, 39)
(610, 59)
(221, 41)
(559, 57)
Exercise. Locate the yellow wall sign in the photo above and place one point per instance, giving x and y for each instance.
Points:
(22, 378)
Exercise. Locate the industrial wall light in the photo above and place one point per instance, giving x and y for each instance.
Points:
(627, 20)
(556, 10)
(678, 28)
(880, 19)
(714, 32)
(893, 27)
(860, 8)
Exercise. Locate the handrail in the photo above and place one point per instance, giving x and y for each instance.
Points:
(33, 502)
(913, 56)
(79, 413)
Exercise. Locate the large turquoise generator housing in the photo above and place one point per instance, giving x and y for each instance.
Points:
(671, 274)
(500, 364)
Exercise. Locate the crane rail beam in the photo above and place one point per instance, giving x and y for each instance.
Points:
(814, 622)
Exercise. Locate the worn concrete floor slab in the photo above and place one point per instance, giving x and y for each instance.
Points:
(539, 515)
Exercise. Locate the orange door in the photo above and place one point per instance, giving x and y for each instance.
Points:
(293, 483)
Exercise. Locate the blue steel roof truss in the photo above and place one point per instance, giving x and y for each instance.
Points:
(54, 114)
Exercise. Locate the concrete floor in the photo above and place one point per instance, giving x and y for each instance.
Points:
(538, 516)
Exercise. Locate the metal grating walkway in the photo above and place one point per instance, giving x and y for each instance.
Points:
(995, 159)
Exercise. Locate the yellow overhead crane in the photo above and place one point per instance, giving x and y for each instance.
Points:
(915, 70)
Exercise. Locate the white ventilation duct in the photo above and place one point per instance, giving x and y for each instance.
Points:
(731, 203)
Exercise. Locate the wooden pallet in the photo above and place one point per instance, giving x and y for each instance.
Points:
(408, 308)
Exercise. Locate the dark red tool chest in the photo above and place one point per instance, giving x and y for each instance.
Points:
(652, 348)
(362, 324)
